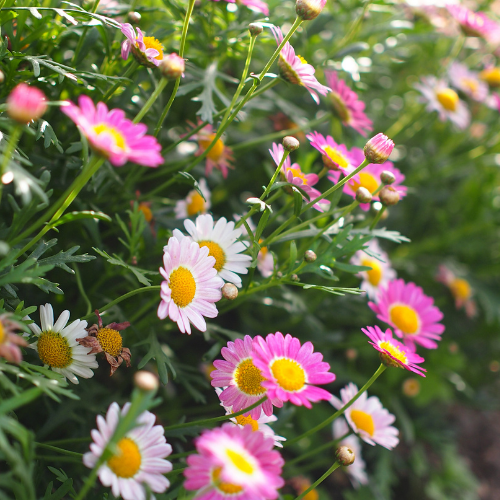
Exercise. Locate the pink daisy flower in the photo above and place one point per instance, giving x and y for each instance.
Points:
(460, 289)
(335, 156)
(290, 369)
(191, 285)
(26, 103)
(475, 23)
(139, 458)
(462, 78)
(255, 5)
(294, 175)
(241, 379)
(11, 342)
(496, 98)
(393, 352)
(147, 50)
(294, 69)
(367, 417)
(112, 135)
(411, 313)
(234, 462)
(347, 105)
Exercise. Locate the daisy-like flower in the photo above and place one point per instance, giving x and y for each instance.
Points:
(474, 23)
(256, 5)
(294, 69)
(194, 203)
(462, 78)
(357, 470)
(290, 370)
(112, 135)
(392, 352)
(347, 104)
(221, 240)
(369, 177)
(411, 313)
(335, 156)
(139, 457)
(439, 97)
(58, 348)
(460, 289)
(491, 75)
(294, 175)
(258, 425)
(10, 342)
(220, 156)
(241, 379)
(367, 417)
(107, 339)
(147, 50)
(191, 285)
(236, 463)
(381, 271)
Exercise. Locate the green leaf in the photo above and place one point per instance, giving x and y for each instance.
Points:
(156, 352)
(262, 224)
(293, 256)
(62, 258)
(85, 214)
(297, 202)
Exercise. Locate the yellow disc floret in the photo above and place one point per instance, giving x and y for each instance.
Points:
(298, 173)
(240, 462)
(249, 378)
(241, 420)
(375, 273)
(289, 375)
(363, 421)
(101, 128)
(394, 351)
(54, 349)
(227, 488)
(336, 156)
(195, 204)
(2, 333)
(367, 181)
(127, 462)
(148, 214)
(448, 98)
(216, 252)
(460, 288)
(491, 76)
(182, 286)
(217, 151)
(110, 341)
(471, 84)
(405, 318)
(152, 43)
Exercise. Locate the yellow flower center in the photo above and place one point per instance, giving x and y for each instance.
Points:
(303, 486)
(249, 378)
(152, 43)
(394, 351)
(227, 488)
(117, 136)
(240, 462)
(471, 84)
(2, 333)
(110, 341)
(217, 151)
(302, 60)
(375, 273)
(448, 99)
(54, 350)
(196, 204)
(367, 181)
(363, 421)
(127, 461)
(491, 76)
(298, 173)
(148, 215)
(460, 288)
(405, 318)
(336, 156)
(241, 420)
(289, 375)
(216, 252)
(182, 286)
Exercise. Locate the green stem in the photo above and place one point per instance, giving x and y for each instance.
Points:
(338, 413)
(81, 289)
(11, 146)
(333, 468)
(82, 37)
(128, 73)
(59, 450)
(377, 218)
(152, 98)
(276, 173)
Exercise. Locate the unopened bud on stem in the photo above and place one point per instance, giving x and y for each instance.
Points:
(363, 195)
(229, 291)
(378, 149)
(255, 29)
(172, 66)
(309, 256)
(345, 455)
(146, 381)
(387, 177)
(26, 103)
(308, 10)
(290, 143)
(388, 196)
(134, 17)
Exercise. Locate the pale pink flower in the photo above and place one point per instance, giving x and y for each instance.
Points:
(475, 23)
(462, 78)
(10, 342)
(194, 203)
(26, 103)
(460, 289)
(146, 49)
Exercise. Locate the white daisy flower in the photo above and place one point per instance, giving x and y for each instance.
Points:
(192, 286)
(194, 203)
(257, 425)
(57, 346)
(220, 238)
(139, 459)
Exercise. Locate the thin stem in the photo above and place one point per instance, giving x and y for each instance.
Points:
(276, 173)
(128, 73)
(377, 218)
(338, 413)
(59, 450)
(79, 284)
(333, 468)
(11, 146)
(152, 98)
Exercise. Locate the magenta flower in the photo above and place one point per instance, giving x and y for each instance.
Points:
(233, 461)
(241, 379)
(335, 156)
(475, 23)
(294, 175)
(146, 49)
(497, 100)
(256, 6)
(378, 149)
(26, 103)
(347, 104)
(294, 69)
(112, 135)
(290, 370)
(411, 313)
(393, 352)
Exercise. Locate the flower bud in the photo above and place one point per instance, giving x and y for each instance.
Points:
(309, 9)
(378, 149)
(146, 381)
(309, 256)
(294, 277)
(388, 196)
(255, 29)
(134, 17)
(172, 66)
(229, 291)
(26, 103)
(2, 76)
(290, 143)
(387, 177)
(363, 195)
(345, 455)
